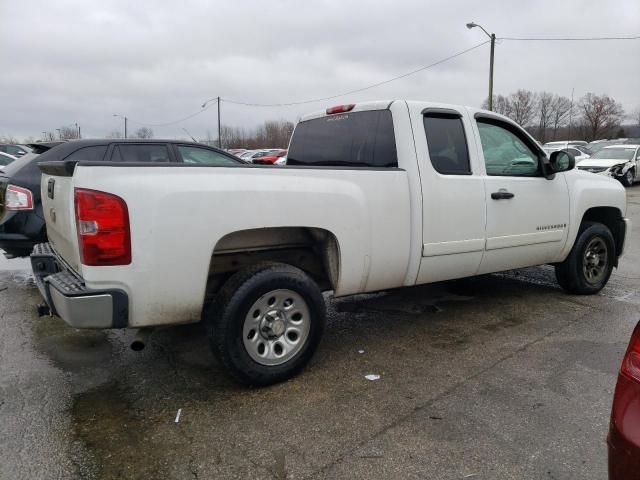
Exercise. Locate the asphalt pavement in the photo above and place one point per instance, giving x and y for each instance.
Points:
(498, 377)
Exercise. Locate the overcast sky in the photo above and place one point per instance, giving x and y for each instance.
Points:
(68, 61)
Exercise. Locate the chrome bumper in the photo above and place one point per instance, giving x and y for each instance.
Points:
(69, 298)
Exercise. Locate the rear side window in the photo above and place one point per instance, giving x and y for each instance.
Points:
(447, 144)
(140, 153)
(359, 139)
(89, 154)
(204, 156)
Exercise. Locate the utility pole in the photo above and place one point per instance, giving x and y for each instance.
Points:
(125, 123)
(493, 46)
(219, 128)
(204, 105)
(79, 134)
(492, 37)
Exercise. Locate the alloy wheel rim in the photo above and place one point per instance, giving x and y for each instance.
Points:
(276, 327)
(595, 260)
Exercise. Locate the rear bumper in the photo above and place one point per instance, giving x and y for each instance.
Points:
(69, 298)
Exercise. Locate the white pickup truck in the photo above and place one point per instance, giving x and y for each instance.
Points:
(375, 196)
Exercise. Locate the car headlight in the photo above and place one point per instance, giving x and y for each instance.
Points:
(616, 169)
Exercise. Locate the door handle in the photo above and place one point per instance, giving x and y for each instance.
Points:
(502, 194)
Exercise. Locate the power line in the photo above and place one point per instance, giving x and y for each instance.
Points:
(568, 39)
(173, 122)
(208, 105)
(321, 99)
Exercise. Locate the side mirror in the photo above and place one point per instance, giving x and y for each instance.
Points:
(561, 161)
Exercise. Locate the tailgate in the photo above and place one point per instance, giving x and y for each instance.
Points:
(58, 210)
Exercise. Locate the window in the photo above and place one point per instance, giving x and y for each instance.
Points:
(505, 153)
(575, 152)
(359, 139)
(140, 153)
(204, 156)
(89, 154)
(447, 144)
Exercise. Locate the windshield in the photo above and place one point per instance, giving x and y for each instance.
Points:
(614, 154)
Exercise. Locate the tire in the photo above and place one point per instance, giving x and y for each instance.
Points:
(627, 178)
(593, 252)
(242, 317)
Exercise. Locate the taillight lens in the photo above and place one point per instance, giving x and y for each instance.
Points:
(340, 109)
(631, 362)
(18, 198)
(102, 220)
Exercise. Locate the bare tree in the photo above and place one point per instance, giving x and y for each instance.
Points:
(501, 105)
(143, 132)
(523, 105)
(68, 133)
(8, 139)
(601, 115)
(545, 114)
(560, 108)
(29, 139)
(115, 134)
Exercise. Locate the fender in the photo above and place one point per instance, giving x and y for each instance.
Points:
(588, 191)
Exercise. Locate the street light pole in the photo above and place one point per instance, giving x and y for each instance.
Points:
(492, 37)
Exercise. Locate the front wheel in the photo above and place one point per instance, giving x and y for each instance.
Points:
(266, 323)
(627, 178)
(589, 265)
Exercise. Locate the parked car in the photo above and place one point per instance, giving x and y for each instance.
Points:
(271, 158)
(405, 193)
(22, 222)
(563, 144)
(618, 161)
(6, 159)
(624, 428)
(14, 150)
(577, 151)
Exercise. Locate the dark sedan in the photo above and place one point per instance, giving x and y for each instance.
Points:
(21, 220)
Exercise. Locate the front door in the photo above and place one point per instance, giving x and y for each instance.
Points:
(527, 214)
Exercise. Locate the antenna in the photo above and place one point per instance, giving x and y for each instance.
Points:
(190, 135)
(570, 118)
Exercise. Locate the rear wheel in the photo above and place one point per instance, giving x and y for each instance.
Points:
(627, 178)
(589, 265)
(266, 323)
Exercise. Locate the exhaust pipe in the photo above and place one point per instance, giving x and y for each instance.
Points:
(140, 339)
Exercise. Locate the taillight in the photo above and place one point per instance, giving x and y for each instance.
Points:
(102, 221)
(18, 198)
(631, 362)
(340, 109)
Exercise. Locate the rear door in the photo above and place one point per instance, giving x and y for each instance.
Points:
(453, 198)
(58, 206)
(527, 214)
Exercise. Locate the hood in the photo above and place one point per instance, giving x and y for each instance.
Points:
(600, 162)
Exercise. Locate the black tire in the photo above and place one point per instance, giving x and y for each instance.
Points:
(627, 178)
(226, 317)
(571, 273)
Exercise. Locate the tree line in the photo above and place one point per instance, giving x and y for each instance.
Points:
(548, 116)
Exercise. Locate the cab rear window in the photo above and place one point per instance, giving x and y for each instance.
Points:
(357, 139)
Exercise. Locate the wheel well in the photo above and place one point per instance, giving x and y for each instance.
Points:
(612, 218)
(313, 250)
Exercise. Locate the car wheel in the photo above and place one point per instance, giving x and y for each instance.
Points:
(627, 178)
(266, 323)
(589, 265)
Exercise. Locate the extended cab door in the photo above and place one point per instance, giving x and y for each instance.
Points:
(453, 205)
(527, 214)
